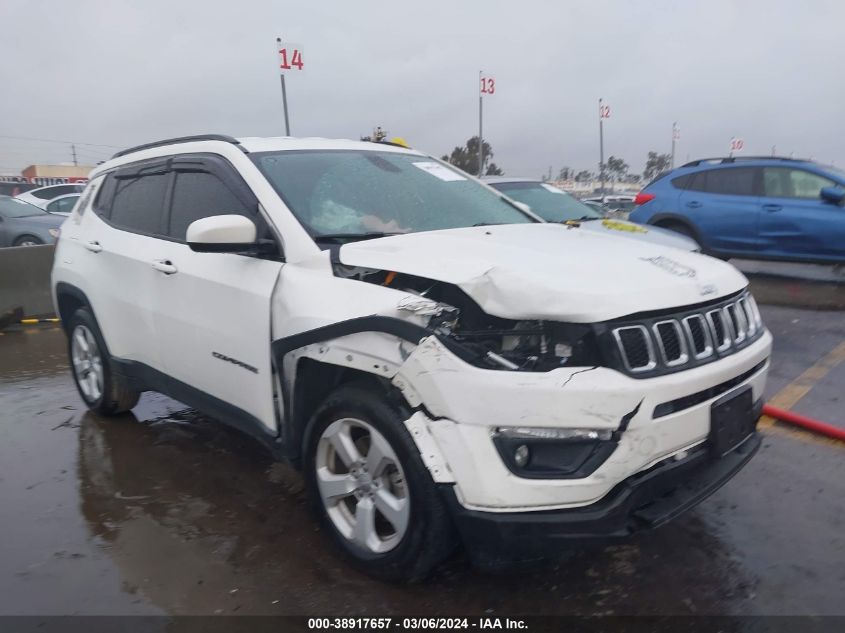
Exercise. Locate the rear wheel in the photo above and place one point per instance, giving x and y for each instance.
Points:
(102, 390)
(683, 229)
(27, 240)
(371, 489)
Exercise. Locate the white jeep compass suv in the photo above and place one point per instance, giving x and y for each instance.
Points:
(442, 365)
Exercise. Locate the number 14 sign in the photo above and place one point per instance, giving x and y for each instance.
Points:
(290, 56)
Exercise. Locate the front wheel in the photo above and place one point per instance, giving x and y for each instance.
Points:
(104, 391)
(371, 489)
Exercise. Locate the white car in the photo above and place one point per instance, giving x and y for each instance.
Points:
(443, 366)
(555, 205)
(39, 197)
(60, 205)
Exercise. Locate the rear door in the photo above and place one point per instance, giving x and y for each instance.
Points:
(212, 310)
(111, 258)
(795, 223)
(724, 206)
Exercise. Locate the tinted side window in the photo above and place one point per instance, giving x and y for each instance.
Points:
(698, 181)
(138, 203)
(198, 195)
(46, 194)
(57, 190)
(681, 182)
(737, 181)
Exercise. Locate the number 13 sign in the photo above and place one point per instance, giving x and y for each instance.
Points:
(488, 85)
(290, 56)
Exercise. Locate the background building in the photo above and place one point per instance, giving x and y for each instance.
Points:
(55, 174)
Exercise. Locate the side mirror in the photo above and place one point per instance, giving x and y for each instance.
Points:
(226, 234)
(834, 195)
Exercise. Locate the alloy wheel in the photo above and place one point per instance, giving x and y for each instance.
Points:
(362, 485)
(87, 363)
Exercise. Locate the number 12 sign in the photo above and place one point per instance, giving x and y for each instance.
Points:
(488, 85)
(290, 56)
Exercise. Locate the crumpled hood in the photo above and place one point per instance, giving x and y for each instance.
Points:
(551, 271)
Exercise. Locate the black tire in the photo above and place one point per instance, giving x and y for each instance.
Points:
(429, 537)
(28, 239)
(116, 395)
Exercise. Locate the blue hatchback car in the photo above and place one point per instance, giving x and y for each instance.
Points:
(759, 208)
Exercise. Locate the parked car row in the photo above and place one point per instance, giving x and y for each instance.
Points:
(555, 205)
(24, 224)
(35, 216)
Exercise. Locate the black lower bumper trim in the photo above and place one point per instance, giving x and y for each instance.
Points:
(643, 501)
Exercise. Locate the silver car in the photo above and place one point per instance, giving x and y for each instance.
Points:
(24, 224)
(555, 205)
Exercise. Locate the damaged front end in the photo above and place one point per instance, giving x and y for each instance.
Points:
(515, 416)
(484, 340)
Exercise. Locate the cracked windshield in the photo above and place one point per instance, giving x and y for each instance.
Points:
(356, 193)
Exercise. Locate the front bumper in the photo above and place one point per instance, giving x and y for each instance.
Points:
(460, 406)
(644, 501)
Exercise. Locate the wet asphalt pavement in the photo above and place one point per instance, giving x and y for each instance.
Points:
(165, 511)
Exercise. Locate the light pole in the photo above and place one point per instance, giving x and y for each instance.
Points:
(601, 145)
(480, 137)
(676, 136)
(284, 91)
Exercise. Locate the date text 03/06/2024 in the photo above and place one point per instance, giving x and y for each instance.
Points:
(410, 623)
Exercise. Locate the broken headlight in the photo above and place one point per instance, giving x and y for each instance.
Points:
(553, 453)
(532, 345)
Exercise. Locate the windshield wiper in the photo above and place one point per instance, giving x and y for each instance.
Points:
(489, 223)
(583, 218)
(354, 236)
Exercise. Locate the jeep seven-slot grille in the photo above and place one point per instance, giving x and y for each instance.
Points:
(672, 342)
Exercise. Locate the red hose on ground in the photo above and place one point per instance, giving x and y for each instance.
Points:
(810, 424)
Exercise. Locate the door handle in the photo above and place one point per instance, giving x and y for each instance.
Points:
(771, 208)
(165, 266)
(94, 247)
(693, 204)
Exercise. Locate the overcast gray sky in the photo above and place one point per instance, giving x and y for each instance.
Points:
(124, 72)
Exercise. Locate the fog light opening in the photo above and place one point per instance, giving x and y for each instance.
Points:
(521, 455)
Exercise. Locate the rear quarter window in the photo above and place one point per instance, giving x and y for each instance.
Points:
(102, 203)
(681, 182)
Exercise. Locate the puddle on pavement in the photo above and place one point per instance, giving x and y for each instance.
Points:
(167, 511)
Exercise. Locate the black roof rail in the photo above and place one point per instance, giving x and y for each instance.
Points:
(182, 139)
(735, 159)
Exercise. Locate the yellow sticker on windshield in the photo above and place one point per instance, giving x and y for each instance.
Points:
(616, 225)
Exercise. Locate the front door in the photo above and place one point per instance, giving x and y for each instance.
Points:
(795, 223)
(213, 309)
